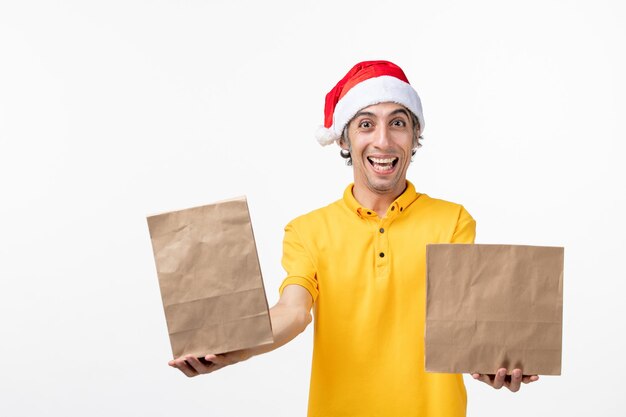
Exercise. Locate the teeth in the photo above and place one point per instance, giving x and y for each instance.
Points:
(382, 164)
(382, 160)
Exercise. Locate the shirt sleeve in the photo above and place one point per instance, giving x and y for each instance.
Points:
(298, 263)
(465, 231)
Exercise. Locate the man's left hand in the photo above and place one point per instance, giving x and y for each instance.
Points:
(500, 379)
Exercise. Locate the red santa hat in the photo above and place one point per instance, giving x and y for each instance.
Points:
(367, 83)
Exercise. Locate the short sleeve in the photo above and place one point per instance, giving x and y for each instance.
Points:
(465, 231)
(298, 263)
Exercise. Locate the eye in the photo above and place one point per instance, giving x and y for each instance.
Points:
(365, 124)
(398, 123)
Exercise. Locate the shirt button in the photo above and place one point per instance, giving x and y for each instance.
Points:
(381, 230)
(382, 254)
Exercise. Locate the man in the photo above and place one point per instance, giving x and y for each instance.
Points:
(361, 262)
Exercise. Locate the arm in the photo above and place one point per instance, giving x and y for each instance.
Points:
(289, 317)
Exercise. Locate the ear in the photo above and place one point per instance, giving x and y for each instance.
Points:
(343, 144)
(416, 135)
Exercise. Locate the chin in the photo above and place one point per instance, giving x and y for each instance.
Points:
(383, 186)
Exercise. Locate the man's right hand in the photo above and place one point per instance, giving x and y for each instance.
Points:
(192, 366)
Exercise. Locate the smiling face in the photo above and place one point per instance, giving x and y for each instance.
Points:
(382, 137)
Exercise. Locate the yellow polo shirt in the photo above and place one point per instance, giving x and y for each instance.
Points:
(367, 278)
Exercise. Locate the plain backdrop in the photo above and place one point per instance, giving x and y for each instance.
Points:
(112, 111)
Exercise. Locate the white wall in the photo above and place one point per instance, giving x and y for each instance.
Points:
(110, 111)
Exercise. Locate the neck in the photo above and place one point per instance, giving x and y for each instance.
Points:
(377, 200)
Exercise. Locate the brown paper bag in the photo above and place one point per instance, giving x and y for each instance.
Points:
(210, 279)
(492, 306)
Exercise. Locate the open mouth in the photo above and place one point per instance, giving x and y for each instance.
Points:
(382, 164)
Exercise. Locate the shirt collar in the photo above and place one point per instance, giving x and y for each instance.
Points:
(396, 208)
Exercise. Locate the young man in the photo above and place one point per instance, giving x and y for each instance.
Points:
(361, 262)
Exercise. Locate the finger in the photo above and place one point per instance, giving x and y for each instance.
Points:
(211, 358)
(516, 380)
(498, 381)
(198, 366)
(184, 367)
(486, 378)
(527, 379)
(204, 361)
(220, 360)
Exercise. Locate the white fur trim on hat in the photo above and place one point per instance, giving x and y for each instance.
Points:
(371, 91)
(325, 136)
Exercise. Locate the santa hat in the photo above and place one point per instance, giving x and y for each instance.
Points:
(367, 83)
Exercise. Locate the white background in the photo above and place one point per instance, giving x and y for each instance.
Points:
(111, 111)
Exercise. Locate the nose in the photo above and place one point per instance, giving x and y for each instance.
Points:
(382, 138)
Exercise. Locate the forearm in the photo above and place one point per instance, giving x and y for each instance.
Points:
(289, 317)
(287, 322)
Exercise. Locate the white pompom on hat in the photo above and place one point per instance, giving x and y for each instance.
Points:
(367, 83)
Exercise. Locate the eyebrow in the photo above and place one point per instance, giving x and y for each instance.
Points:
(364, 113)
(403, 111)
(393, 113)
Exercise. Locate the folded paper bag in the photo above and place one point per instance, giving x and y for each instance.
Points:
(492, 306)
(210, 279)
